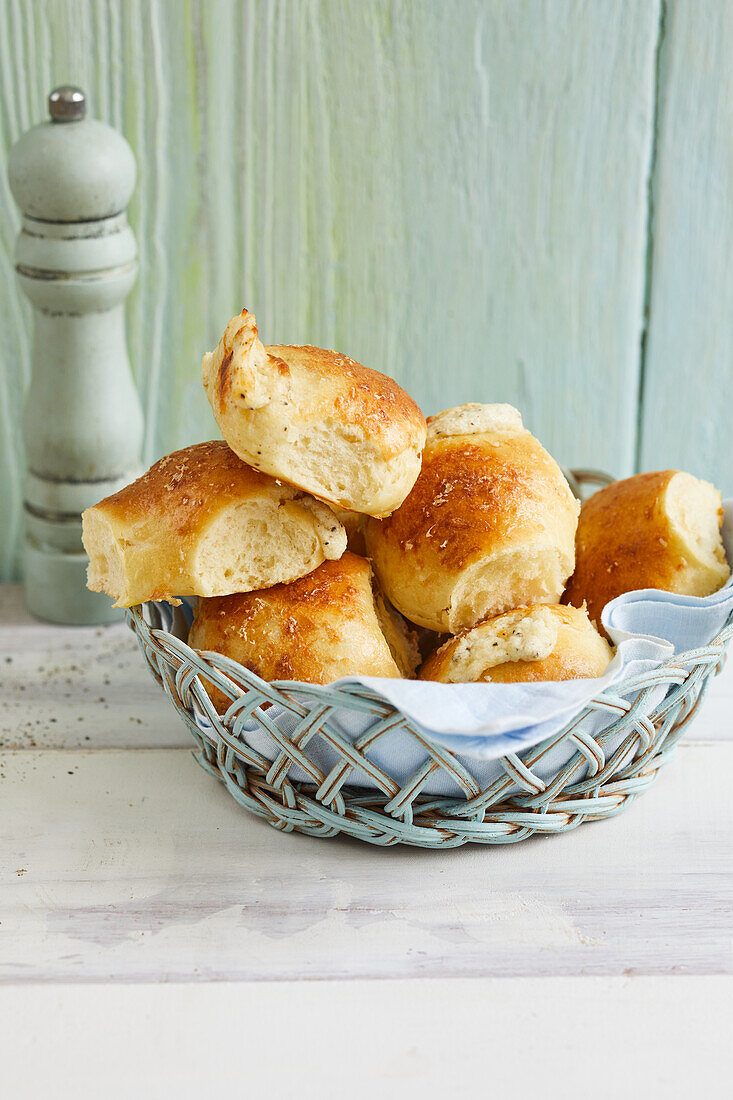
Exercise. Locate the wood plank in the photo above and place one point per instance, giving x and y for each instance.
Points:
(137, 866)
(454, 194)
(367, 1039)
(89, 687)
(688, 391)
(77, 687)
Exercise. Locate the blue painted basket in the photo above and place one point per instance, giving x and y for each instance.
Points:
(606, 764)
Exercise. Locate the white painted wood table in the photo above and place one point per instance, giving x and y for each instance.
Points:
(156, 940)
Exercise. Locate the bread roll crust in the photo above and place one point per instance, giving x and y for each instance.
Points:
(347, 434)
(528, 644)
(653, 530)
(371, 403)
(488, 525)
(192, 524)
(315, 630)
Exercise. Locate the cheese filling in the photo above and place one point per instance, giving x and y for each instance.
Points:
(516, 636)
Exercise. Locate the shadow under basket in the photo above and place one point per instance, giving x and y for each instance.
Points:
(635, 727)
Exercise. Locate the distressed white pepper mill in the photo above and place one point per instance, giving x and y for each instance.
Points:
(76, 260)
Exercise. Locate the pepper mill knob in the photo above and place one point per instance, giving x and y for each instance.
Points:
(76, 260)
(67, 104)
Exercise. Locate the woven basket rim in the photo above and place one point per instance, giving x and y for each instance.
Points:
(279, 691)
(605, 768)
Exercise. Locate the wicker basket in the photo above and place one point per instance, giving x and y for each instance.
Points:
(605, 771)
(612, 749)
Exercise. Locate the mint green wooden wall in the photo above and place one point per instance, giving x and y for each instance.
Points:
(493, 200)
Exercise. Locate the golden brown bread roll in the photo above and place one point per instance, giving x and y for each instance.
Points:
(657, 530)
(489, 525)
(202, 522)
(316, 629)
(346, 434)
(543, 642)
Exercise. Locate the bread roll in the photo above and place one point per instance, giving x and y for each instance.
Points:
(316, 629)
(315, 418)
(543, 642)
(201, 522)
(658, 530)
(489, 525)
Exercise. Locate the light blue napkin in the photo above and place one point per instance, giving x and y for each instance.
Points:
(482, 722)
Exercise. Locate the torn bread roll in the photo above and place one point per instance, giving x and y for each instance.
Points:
(656, 530)
(201, 522)
(543, 642)
(348, 435)
(316, 629)
(489, 525)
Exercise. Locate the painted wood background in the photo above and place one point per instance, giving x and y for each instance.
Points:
(522, 200)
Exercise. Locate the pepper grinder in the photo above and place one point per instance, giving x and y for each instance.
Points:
(76, 260)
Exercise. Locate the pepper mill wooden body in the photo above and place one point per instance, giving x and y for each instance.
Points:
(76, 260)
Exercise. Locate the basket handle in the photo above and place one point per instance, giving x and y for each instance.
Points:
(580, 480)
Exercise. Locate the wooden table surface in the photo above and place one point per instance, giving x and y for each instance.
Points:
(141, 908)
